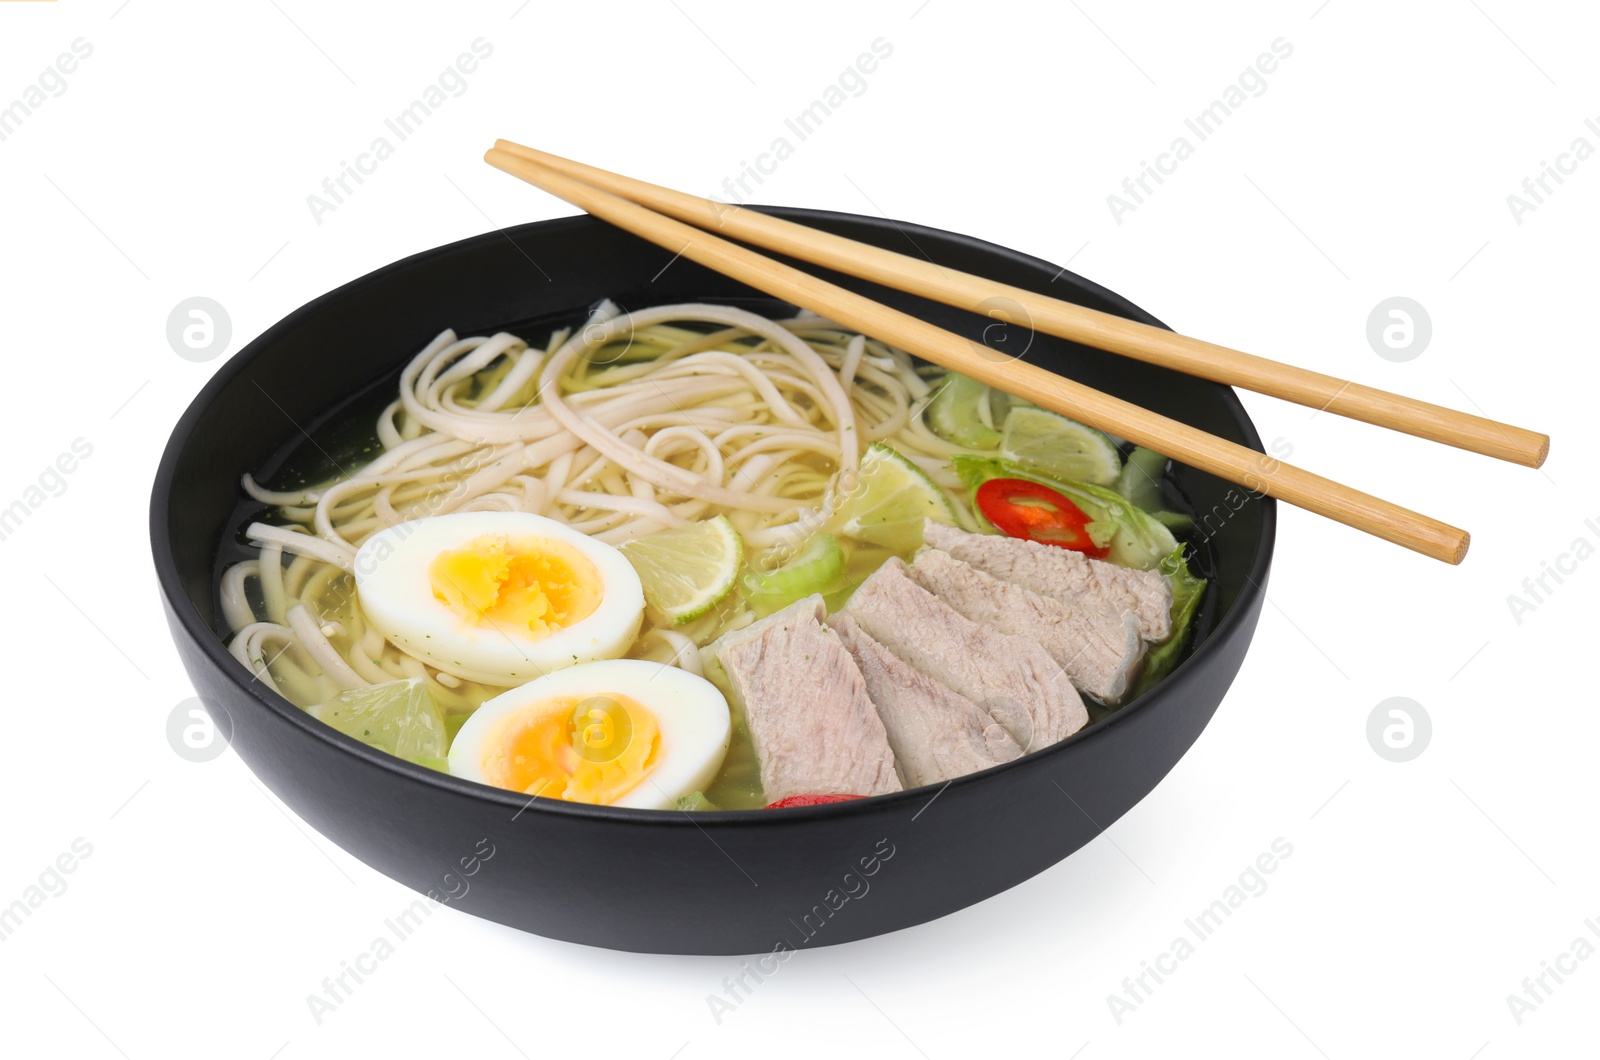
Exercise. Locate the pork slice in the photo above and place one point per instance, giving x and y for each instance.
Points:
(814, 729)
(1014, 679)
(1063, 574)
(1100, 650)
(936, 734)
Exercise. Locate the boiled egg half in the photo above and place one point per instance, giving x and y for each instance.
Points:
(498, 597)
(622, 732)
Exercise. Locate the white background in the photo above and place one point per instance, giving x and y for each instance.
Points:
(1377, 163)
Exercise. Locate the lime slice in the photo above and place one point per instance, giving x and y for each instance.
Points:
(1059, 448)
(953, 413)
(888, 499)
(396, 716)
(687, 570)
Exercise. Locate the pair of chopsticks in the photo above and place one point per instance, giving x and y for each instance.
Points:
(669, 218)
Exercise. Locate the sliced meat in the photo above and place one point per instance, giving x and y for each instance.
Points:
(936, 734)
(814, 729)
(1063, 574)
(1100, 650)
(1015, 680)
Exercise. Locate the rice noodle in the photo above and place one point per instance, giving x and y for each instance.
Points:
(312, 639)
(302, 543)
(630, 424)
(235, 604)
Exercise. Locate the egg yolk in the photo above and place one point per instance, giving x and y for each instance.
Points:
(595, 749)
(530, 585)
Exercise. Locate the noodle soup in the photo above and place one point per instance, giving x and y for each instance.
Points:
(755, 474)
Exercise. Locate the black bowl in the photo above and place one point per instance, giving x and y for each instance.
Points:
(734, 882)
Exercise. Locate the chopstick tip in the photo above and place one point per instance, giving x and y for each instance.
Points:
(1544, 451)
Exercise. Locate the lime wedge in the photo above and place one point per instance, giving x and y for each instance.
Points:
(953, 413)
(888, 499)
(687, 570)
(1059, 448)
(396, 716)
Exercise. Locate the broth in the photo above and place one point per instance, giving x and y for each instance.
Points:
(352, 436)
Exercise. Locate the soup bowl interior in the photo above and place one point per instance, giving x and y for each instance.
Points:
(728, 882)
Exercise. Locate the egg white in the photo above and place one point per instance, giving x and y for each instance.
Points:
(397, 598)
(692, 715)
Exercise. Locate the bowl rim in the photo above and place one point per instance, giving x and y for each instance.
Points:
(216, 651)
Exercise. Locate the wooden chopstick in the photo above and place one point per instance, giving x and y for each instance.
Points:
(1228, 460)
(1054, 316)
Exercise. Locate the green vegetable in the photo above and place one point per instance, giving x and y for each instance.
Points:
(1187, 590)
(813, 570)
(696, 800)
(1177, 522)
(1140, 483)
(953, 413)
(1135, 537)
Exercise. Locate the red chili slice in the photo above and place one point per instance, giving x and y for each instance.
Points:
(1033, 512)
(811, 800)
